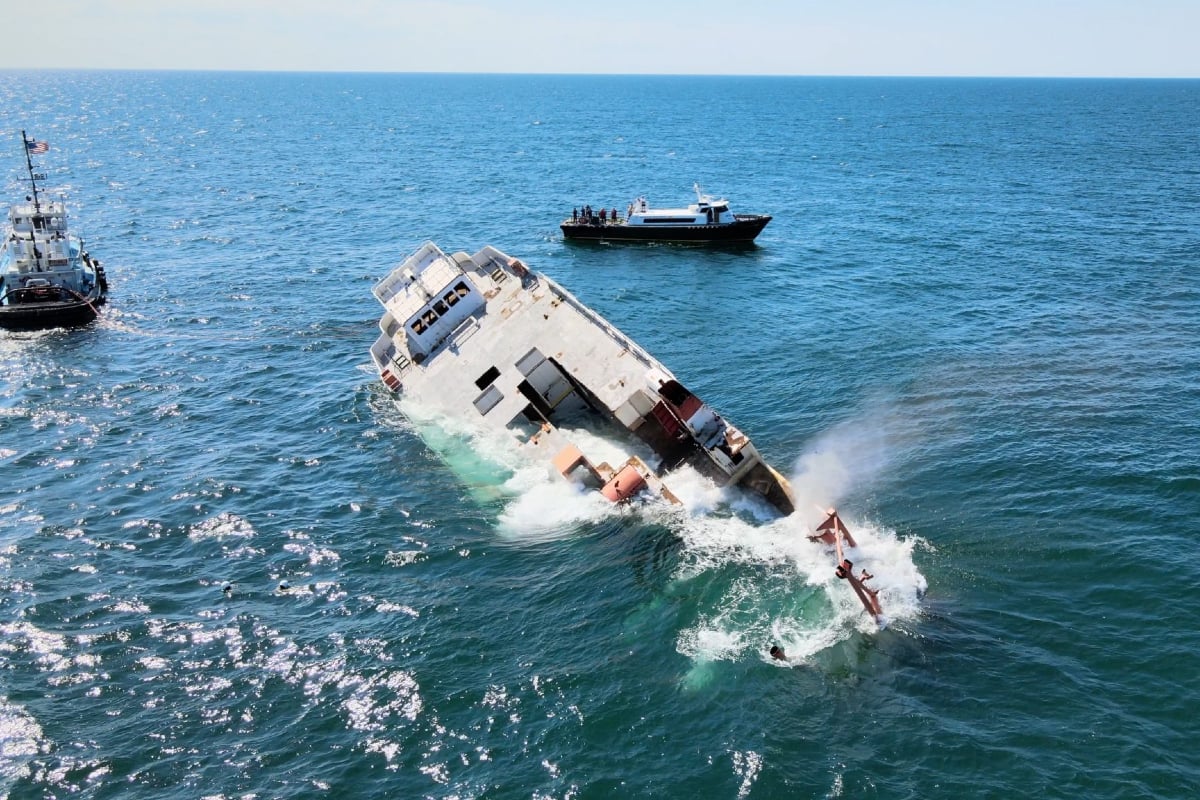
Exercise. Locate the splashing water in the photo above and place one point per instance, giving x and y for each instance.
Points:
(780, 586)
(763, 580)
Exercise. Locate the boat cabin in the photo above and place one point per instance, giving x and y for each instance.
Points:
(705, 211)
(431, 298)
(47, 218)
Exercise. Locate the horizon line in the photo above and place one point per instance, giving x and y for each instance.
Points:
(472, 73)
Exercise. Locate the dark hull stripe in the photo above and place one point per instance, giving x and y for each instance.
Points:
(743, 230)
(34, 316)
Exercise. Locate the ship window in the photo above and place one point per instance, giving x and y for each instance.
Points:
(451, 298)
(488, 378)
(430, 317)
(418, 327)
(488, 400)
(461, 289)
(440, 308)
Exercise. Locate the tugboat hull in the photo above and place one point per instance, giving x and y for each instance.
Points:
(49, 314)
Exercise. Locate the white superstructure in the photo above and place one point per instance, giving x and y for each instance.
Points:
(705, 211)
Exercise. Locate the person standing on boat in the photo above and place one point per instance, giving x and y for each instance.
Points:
(574, 215)
(603, 215)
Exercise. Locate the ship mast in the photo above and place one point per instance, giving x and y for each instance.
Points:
(29, 163)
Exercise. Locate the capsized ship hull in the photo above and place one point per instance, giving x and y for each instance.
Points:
(483, 338)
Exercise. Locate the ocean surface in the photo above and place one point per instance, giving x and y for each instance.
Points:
(973, 326)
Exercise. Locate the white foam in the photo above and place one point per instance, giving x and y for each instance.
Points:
(783, 588)
(538, 504)
(544, 507)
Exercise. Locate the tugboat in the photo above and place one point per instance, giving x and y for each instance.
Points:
(707, 221)
(486, 340)
(47, 279)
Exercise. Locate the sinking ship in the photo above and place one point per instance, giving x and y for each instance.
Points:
(485, 339)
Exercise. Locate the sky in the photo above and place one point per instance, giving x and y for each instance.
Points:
(1018, 38)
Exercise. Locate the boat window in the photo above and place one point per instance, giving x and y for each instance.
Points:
(488, 400)
(488, 378)
(461, 289)
(418, 326)
(451, 298)
(430, 317)
(440, 308)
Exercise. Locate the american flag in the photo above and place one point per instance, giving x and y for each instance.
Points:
(36, 147)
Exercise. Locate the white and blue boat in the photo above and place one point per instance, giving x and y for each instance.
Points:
(47, 279)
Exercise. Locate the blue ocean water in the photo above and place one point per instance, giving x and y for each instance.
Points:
(972, 326)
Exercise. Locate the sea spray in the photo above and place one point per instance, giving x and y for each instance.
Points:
(765, 580)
